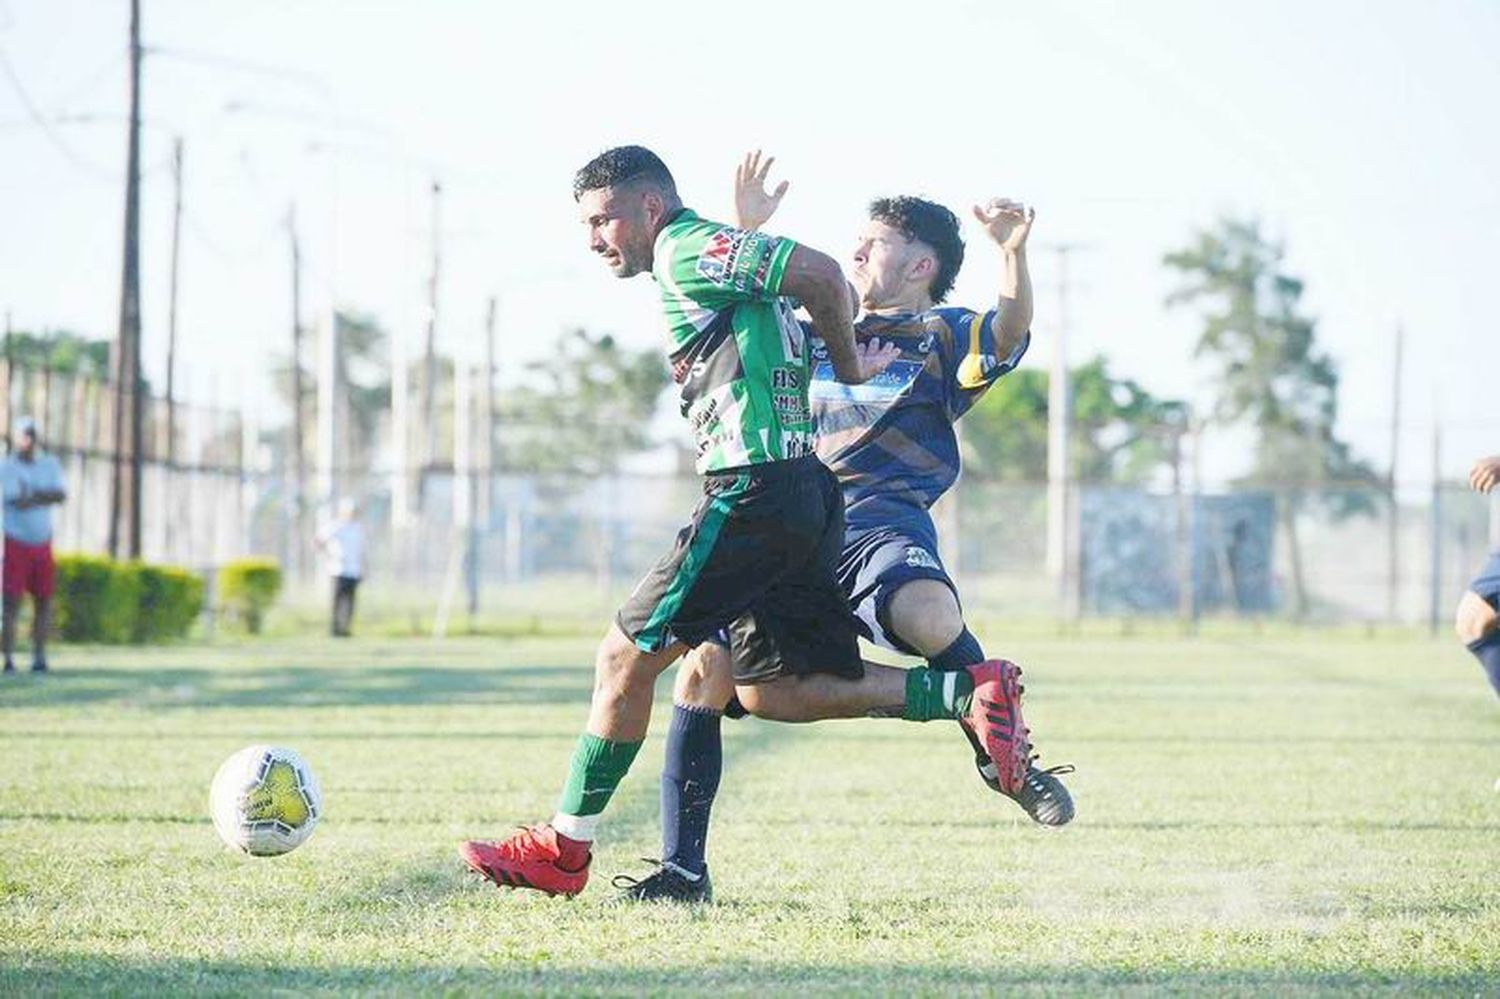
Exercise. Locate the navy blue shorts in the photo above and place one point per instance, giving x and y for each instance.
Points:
(1487, 583)
(878, 561)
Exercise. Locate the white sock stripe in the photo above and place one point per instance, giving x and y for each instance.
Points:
(950, 687)
(580, 827)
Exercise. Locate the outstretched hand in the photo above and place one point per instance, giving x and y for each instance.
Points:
(1007, 222)
(1485, 474)
(752, 204)
(875, 356)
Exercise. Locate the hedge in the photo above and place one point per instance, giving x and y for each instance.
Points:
(248, 587)
(171, 599)
(100, 600)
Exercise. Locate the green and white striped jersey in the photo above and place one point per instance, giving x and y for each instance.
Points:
(737, 348)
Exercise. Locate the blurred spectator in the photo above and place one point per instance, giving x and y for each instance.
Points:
(342, 542)
(32, 481)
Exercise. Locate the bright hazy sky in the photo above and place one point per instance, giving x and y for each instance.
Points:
(1361, 133)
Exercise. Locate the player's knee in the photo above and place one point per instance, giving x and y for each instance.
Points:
(925, 614)
(619, 667)
(1475, 618)
(703, 678)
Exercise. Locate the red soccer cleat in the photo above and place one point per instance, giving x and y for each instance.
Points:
(526, 860)
(995, 716)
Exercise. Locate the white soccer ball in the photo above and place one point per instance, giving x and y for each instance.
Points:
(265, 800)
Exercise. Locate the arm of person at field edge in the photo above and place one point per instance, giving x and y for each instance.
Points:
(1008, 225)
(1485, 474)
(816, 280)
(52, 491)
(754, 206)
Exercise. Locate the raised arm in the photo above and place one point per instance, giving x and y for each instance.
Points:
(753, 205)
(1008, 224)
(816, 280)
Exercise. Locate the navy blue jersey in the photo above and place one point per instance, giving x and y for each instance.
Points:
(890, 441)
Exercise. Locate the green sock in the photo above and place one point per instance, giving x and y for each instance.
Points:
(932, 693)
(597, 769)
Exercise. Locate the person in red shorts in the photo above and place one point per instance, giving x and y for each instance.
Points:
(32, 481)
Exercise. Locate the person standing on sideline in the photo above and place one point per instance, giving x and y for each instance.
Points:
(32, 484)
(343, 543)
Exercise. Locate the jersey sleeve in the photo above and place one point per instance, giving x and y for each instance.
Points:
(976, 362)
(718, 265)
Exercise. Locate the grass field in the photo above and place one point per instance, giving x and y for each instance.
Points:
(1276, 814)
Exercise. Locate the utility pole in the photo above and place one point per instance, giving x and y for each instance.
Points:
(125, 513)
(299, 431)
(328, 354)
(1435, 591)
(1393, 541)
(1059, 433)
(171, 454)
(487, 451)
(429, 353)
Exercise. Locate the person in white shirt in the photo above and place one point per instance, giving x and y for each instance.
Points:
(342, 541)
(32, 481)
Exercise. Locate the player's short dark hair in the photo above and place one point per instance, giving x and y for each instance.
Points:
(624, 165)
(931, 223)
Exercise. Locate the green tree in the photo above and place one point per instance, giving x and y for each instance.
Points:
(362, 369)
(584, 409)
(1269, 372)
(1121, 432)
(61, 351)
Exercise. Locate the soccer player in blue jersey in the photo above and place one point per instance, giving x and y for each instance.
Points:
(892, 445)
(1477, 622)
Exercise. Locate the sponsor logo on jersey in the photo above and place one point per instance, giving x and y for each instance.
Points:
(727, 256)
(920, 558)
(885, 387)
(716, 262)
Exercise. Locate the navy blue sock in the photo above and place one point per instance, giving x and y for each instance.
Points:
(1487, 651)
(689, 782)
(964, 651)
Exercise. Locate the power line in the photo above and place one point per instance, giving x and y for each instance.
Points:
(41, 122)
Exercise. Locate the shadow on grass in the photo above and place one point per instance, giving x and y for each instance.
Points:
(303, 686)
(29, 975)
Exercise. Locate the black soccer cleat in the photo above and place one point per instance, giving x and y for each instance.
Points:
(665, 884)
(1042, 796)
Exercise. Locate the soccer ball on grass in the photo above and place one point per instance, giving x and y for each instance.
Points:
(265, 801)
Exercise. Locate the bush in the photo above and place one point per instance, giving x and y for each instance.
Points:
(248, 587)
(170, 600)
(98, 600)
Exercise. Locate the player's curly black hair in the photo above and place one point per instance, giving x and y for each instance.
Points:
(622, 165)
(932, 224)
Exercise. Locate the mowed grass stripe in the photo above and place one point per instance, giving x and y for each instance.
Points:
(1272, 827)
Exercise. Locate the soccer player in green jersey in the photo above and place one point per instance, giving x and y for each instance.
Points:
(893, 446)
(757, 560)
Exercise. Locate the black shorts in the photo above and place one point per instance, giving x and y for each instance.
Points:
(878, 561)
(758, 560)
